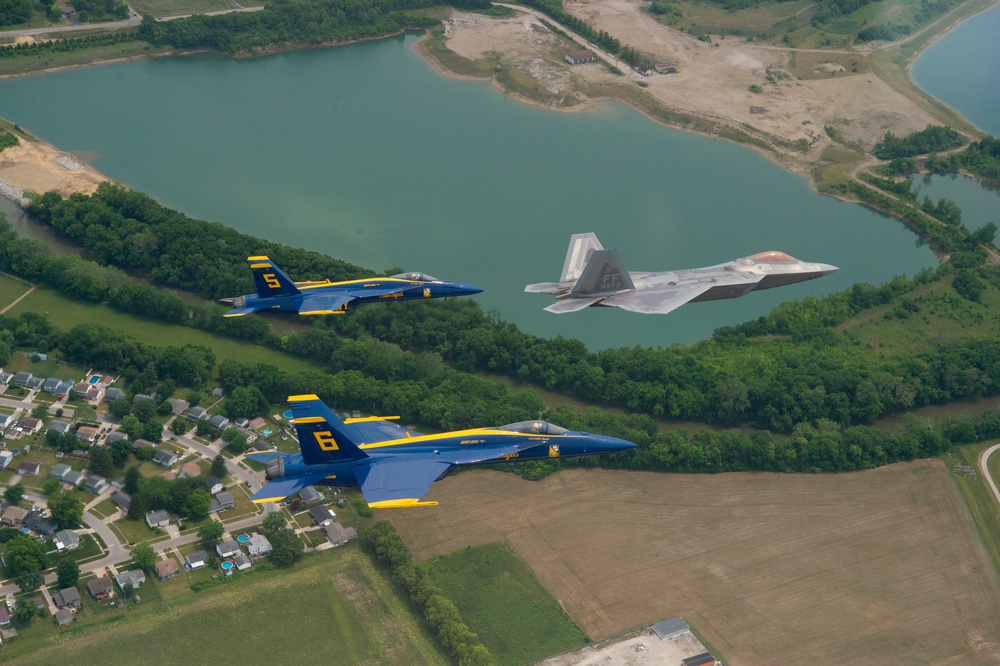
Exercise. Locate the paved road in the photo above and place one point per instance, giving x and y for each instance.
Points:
(983, 459)
(133, 20)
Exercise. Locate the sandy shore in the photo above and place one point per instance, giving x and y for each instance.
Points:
(32, 166)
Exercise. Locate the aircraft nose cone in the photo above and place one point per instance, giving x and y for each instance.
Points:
(468, 289)
(826, 269)
(614, 445)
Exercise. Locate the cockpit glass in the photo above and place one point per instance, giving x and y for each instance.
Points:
(774, 257)
(422, 277)
(535, 427)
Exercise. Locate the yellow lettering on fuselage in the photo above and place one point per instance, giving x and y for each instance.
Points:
(395, 294)
(508, 456)
(472, 441)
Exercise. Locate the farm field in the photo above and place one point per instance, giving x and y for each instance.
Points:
(332, 608)
(881, 566)
(502, 601)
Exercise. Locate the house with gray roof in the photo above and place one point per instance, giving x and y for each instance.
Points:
(122, 499)
(39, 524)
(64, 387)
(197, 413)
(258, 546)
(228, 549)
(322, 515)
(29, 468)
(158, 518)
(60, 470)
(35, 383)
(5, 458)
(165, 458)
(6, 378)
(217, 392)
(63, 617)
(338, 534)
(22, 378)
(142, 397)
(5, 420)
(242, 562)
(136, 577)
(139, 443)
(111, 394)
(96, 484)
(101, 588)
(50, 384)
(58, 426)
(214, 484)
(196, 560)
(222, 502)
(310, 496)
(178, 406)
(67, 540)
(29, 425)
(219, 422)
(73, 477)
(115, 437)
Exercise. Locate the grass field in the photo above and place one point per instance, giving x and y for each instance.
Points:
(503, 602)
(10, 289)
(332, 608)
(68, 313)
(882, 566)
(979, 496)
(160, 8)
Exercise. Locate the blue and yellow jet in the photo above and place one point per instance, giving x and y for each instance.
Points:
(395, 467)
(276, 292)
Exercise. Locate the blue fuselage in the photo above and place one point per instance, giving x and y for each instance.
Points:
(373, 290)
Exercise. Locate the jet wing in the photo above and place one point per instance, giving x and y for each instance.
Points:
(388, 484)
(374, 430)
(279, 489)
(323, 304)
(265, 456)
(573, 304)
(239, 312)
(658, 300)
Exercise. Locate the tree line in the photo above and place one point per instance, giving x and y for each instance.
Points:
(931, 139)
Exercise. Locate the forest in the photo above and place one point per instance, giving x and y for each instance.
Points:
(932, 139)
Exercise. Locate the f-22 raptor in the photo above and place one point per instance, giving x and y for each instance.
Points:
(593, 276)
(394, 466)
(276, 292)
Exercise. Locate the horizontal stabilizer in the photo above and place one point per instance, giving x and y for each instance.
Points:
(265, 456)
(573, 304)
(279, 489)
(546, 288)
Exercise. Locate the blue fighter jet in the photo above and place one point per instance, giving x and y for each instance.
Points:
(395, 467)
(276, 292)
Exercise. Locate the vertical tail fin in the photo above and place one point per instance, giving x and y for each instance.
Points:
(269, 279)
(581, 247)
(322, 435)
(604, 274)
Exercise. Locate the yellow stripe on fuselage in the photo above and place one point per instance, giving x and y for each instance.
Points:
(362, 419)
(400, 503)
(307, 285)
(309, 419)
(321, 312)
(471, 434)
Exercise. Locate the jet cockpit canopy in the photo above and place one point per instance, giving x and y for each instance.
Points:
(420, 277)
(534, 427)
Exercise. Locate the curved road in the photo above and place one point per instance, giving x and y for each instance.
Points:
(983, 459)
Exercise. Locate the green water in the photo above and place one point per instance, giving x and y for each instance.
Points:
(364, 152)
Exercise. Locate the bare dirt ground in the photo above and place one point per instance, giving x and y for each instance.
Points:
(713, 81)
(30, 166)
(881, 566)
(633, 650)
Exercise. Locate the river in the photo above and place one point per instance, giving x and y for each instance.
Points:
(366, 153)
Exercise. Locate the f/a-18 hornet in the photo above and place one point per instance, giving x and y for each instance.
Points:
(394, 466)
(592, 275)
(276, 292)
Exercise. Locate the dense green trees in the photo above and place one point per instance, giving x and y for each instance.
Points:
(67, 572)
(24, 555)
(66, 509)
(13, 12)
(932, 139)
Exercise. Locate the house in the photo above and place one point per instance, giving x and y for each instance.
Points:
(249, 434)
(142, 397)
(165, 458)
(197, 413)
(59, 426)
(241, 423)
(29, 425)
(35, 383)
(310, 496)
(59, 471)
(139, 443)
(258, 547)
(80, 389)
(214, 484)
(67, 540)
(64, 388)
(101, 588)
(122, 499)
(159, 518)
(338, 534)
(69, 599)
(578, 57)
(242, 562)
(258, 423)
(196, 560)
(29, 468)
(219, 422)
(703, 659)
(135, 578)
(178, 406)
(96, 484)
(5, 458)
(5, 420)
(22, 378)
(228, 549)
(37, 600)
(166, 569)
(665, 68)
(105, 381)
(94, 394)
(63, 617)
(13, 516)
(73, 477)
(642, 69)
(111, 394)
(115, 436)
(217, 392)
(222, 502)
(322, 515)
(4, 616)
(261, 446)
(87, 433)
(50, 384)
(39, 524)
(6, 378)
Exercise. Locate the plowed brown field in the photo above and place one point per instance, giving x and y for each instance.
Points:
(881, 566)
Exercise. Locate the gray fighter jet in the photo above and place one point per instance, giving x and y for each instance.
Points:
(592, 275)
